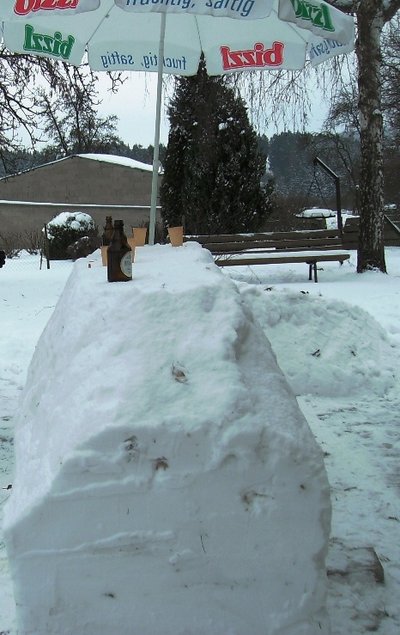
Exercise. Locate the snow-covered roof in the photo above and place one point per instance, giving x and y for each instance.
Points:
(113, 158)
(105, 158)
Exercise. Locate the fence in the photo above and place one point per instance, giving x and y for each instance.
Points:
(30, 263)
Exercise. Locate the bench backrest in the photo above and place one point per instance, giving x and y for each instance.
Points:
(302, 240)
(285, 241)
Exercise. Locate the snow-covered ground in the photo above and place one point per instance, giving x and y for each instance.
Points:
(338, 343)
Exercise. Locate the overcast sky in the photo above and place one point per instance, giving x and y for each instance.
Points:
(135, 106)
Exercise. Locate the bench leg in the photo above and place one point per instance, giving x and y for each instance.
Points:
(312, 271)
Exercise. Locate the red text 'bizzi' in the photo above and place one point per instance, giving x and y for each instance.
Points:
(257, 57)
(23, 7)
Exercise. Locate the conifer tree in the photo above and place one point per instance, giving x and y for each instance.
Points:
(212, 168)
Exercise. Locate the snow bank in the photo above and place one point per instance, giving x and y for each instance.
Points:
(316, 212)
(325, 347)
(166, 482)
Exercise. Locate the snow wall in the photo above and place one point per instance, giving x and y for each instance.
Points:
(166, 482)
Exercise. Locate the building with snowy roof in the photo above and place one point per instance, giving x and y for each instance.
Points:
(97, 184)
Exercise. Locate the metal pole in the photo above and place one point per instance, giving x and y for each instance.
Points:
(339, 206)
(335, 177)
(154, 181)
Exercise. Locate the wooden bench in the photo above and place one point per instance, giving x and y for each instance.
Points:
(311, 258)
(391, 232)
(310, 247)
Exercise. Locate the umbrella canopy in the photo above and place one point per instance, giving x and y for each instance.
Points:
(137, 35)
(254, 35)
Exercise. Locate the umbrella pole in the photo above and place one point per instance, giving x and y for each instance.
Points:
(154, 182)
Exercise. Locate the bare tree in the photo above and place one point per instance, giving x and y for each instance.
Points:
(371, 18)
(391, 76)
(344, 111)
(71, 120)
(372, 15)
(30, 87)
(19, 101)
(290, 89)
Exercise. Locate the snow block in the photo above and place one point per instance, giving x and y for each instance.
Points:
(166, 481)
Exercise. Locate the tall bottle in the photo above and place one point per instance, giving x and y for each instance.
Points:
(108, 231)
(119, 258)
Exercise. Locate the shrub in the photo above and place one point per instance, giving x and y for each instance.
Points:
(14, 242)
(65, 229)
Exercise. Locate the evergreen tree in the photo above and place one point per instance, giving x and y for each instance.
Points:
(212, 168)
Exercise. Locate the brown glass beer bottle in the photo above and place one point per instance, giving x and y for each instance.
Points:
(108, 231)
(119, 258)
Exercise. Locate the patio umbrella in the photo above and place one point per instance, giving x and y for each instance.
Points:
(169, 36)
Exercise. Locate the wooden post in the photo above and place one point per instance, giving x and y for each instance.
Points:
(46, 246)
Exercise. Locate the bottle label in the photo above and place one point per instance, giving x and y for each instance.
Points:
(126, 264)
